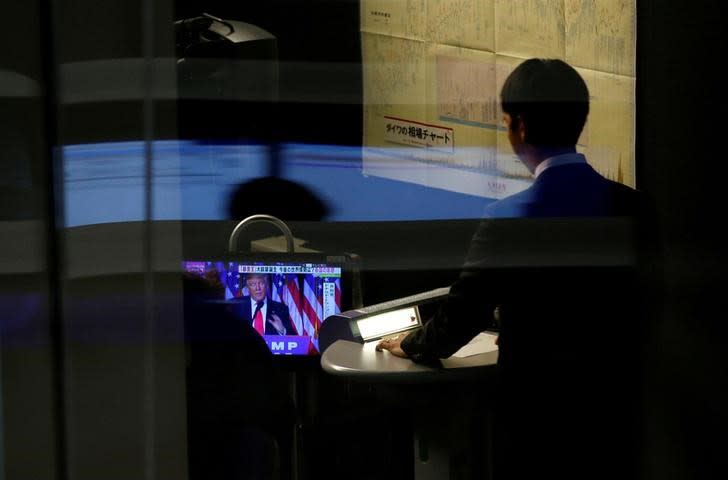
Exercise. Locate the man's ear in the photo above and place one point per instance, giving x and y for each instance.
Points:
(521, 129)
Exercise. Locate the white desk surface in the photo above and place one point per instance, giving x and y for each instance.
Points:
(362, 361)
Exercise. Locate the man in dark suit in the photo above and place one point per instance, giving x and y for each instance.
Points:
(267, 316)
(555, 268)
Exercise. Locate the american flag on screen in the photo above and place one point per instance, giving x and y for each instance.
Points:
(278, 285)
(231, 279)
(291, 296)
(284, 289)
(312, 308)
(303, 295)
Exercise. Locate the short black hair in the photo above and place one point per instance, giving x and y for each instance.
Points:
(551, 97)
(279, 197)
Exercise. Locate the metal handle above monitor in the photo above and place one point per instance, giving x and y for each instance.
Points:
(232, 243)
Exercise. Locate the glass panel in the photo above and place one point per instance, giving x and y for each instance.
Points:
(373, 129)
(119, 157)
(29, 371)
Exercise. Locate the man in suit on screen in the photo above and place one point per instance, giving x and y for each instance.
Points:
(267, 316)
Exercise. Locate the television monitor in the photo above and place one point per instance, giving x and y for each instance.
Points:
(295, 295)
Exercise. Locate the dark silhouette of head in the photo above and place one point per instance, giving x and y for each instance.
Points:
(281, 198)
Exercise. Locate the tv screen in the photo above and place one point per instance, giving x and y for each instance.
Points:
(285, 302)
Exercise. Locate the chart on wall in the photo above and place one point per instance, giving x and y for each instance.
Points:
(433, 71)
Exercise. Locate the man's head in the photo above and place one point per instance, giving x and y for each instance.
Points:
(257, 286)
(550, 98)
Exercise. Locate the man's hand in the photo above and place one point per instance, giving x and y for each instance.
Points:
(277, 323)
(393, 346)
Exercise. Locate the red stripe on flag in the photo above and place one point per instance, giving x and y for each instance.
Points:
(310, 304)
(294, 303)
(295, 293)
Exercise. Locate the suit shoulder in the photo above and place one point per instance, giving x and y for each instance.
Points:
(510, 206)
(625, 199)
(279, 305)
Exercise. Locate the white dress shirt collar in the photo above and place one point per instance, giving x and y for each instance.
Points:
(558, 160)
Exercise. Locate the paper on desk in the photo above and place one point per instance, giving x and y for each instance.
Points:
(482, 343)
